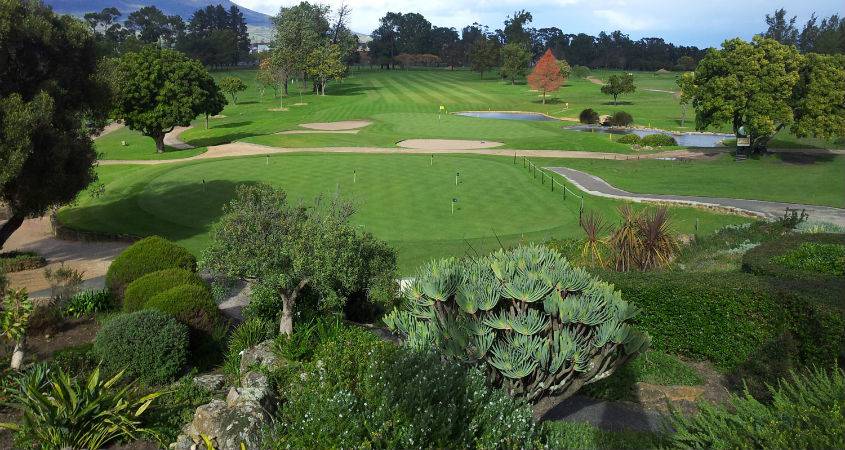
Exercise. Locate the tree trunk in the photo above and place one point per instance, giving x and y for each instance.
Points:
(159, 139)
(544, 97)
(17, 356)
(286, 323)
(286, 85)
(206, 121)
(9, 227)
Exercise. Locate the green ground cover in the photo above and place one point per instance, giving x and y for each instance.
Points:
(780, 177)
(110, 146)
(403, 199)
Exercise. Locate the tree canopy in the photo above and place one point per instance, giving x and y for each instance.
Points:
(619, 84)
(484, 55)
(231, 86)
(290, 248)
(515, 61)
(157, 89)
(765, 86)
(546, 76)
(51, 101)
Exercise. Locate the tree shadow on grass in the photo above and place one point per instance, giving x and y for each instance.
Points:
(223, 139)
(806, 158)
(203, 199)
(232, 124)
(619, 103)
(346, 89)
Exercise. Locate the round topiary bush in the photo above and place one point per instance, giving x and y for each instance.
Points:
(191, 305)
(658, 140)
(534, 323)
(140, 291)
(588, 116)
(621, 119)
(629, 139)
(149, 345)
(146, 256)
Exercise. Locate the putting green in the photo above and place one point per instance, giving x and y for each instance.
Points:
(406, 200)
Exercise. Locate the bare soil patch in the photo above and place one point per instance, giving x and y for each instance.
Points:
(447, 144)
(336, 126)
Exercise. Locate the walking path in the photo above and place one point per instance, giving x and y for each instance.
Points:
(594, 185)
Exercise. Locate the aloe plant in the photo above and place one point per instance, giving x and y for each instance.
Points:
(537, 325)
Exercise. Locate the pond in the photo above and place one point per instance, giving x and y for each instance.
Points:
(683, 139)
(536, 117)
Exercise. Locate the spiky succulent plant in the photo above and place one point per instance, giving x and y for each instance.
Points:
(534, 323)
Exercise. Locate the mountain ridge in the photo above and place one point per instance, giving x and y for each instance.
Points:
(183, 8)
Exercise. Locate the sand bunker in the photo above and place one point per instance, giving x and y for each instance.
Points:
(277, 109)
(336, 126)
(319, 132)
(447, 144)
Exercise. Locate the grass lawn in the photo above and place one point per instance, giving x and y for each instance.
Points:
(402, 199)
(816, 180)
(137, 147)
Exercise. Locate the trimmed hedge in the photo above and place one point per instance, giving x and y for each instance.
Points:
(658, 140)
(191, 305)
(761, 260)
(146, 256)
(140, 291)
(729, 317)
(148, 344)
(18, 261)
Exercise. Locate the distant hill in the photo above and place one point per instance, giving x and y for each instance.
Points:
(183, 8)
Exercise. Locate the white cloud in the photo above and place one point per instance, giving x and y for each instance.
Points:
(624, 21)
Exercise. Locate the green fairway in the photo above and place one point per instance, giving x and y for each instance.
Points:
(403, 104)
(787, 178)
(403, 199)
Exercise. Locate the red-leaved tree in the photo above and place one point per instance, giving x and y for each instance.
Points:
(546, 76)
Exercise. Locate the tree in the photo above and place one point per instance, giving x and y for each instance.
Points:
(300, 30)
(686, 63)
(781, 29)
(152, 26)
(14, 320)
(546, 76)
(51, 100)
(515, 60)
(515, 31)
(484, 55)
(618, 85)
(231, 86)
(159, 89)
(324, 64)
(565, 68)
(765, 86)
(290, 248)
(214, 100)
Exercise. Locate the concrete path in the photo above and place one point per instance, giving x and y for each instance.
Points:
(594, 185)
(172, 139)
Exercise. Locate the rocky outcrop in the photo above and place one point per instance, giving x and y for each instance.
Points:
(239, 418)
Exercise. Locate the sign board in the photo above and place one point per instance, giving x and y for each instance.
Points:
(743, 142)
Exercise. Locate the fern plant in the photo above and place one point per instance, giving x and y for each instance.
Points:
(535, 324)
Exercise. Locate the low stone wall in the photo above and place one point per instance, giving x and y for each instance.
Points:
(65, 233)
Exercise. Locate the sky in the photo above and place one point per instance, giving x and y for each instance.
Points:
(703, 23)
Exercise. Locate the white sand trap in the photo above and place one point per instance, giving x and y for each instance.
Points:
(319, 132)
(336, 126)
(300, 104)
(277, 109)
(447, 144)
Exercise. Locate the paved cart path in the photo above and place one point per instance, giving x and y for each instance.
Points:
(594, 185)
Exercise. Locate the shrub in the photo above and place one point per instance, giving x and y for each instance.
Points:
(251, 332)
(588, 116)
(140, 291)
(562, 434)
(729, 318)
(763, 260)
(88, 302)
(815, 226)
(145, 256)
(580, 72)
(362, 392)
(621, 119)
(90, 413)
(630, 138)
(175, 408)
(18, 261)
(805, 412)
(191, 305)
(658, 140)
(147, 344)
(64, 282)
(536, 325)
(828, 259)
(14, 322)
(75, 360)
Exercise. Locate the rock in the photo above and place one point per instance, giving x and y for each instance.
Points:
(261, 355)
(211, 382)
(255, 388)
(229, 427)
(183, 442)
(654, 396)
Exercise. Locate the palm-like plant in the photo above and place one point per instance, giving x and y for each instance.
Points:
(658, 246)
(626, 241)
(59, 412)
(595, 244)
(534, 323)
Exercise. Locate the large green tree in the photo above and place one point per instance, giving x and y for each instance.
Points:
(324, 64)
(300, 30)
(484, 55)
(293, 248)
(51, 101)
(766, 86)
(515, 61)
(618, 85)
(158, 89)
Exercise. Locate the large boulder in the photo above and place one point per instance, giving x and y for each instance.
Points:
(261, 355)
